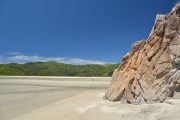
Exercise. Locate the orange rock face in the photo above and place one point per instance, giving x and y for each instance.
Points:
(151, 71)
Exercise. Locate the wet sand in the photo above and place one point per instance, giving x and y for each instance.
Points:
(73, 100)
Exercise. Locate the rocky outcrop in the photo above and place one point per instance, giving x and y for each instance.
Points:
(151, 71)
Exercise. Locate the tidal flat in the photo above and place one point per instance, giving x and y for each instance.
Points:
(72, 98)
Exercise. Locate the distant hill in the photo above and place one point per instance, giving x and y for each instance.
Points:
(56, 69)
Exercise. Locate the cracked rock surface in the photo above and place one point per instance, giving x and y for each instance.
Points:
(151, 71)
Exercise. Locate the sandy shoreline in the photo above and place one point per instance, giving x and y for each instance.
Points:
(34, 99)
(21, 96)
(58, 78)
(90, 106)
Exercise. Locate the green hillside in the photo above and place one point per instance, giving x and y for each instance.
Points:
(56, 69)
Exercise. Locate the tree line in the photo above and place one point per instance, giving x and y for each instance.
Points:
(56, 69)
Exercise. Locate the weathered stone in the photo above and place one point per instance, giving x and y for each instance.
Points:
(151, 71)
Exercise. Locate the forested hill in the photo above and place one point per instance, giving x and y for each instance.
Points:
(56, 69)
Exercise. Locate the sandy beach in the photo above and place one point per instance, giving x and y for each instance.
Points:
(34, 98)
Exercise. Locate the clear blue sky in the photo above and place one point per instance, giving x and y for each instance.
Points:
(101, 30)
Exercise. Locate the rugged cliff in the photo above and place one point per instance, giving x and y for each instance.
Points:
(151, 71)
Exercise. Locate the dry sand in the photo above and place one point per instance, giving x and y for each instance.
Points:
(38, 99)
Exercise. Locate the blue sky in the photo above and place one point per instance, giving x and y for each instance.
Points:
(75, 31)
